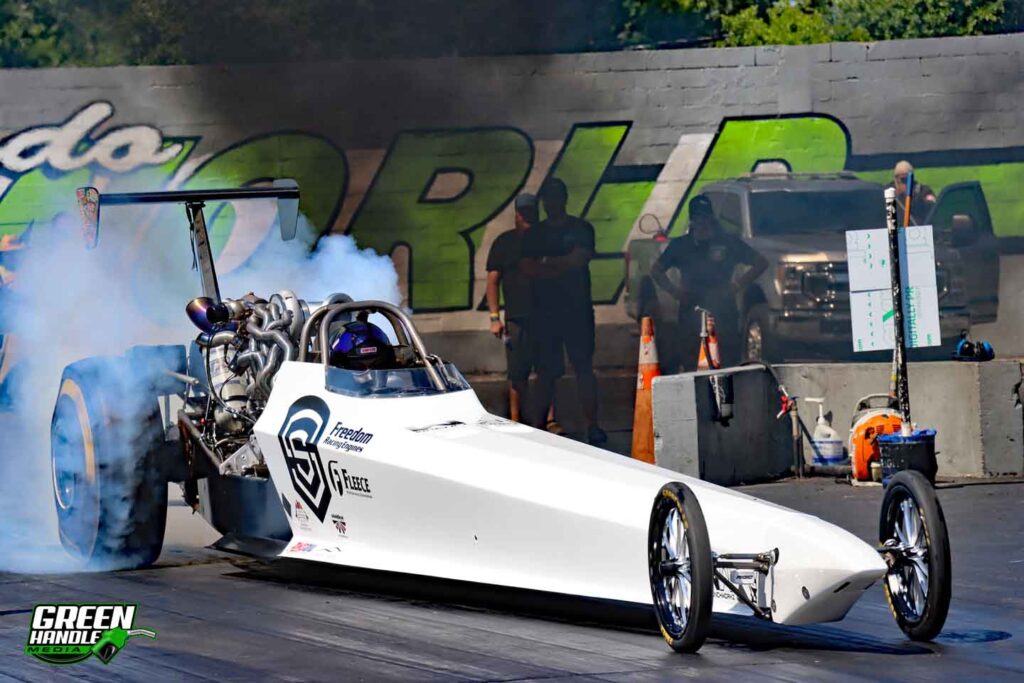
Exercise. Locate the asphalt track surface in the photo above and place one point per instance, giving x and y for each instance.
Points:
(225, 621)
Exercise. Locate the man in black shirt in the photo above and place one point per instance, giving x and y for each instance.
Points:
(557, 256)
(503, 270)
(706, 258)
(922, 197)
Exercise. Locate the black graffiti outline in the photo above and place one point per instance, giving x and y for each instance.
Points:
(93, 167)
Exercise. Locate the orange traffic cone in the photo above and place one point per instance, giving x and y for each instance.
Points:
(643, 416)
(715, 360)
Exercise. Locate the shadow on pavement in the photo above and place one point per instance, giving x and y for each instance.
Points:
(729, 631)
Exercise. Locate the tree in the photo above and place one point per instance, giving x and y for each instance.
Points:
(763, 22)
(32, 34)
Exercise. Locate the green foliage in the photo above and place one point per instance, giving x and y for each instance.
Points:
(923, 18)
(31, 35)
(784, 24)
(790, 22)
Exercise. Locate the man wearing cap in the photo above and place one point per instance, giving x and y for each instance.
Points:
(503, 271)
(706, 258)
(557, 256)
(922, 198)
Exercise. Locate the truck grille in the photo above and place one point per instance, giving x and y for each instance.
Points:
(827, 285)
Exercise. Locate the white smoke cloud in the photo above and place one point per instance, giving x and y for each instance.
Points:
(68, 303)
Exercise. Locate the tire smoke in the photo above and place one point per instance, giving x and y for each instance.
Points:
(66, 304)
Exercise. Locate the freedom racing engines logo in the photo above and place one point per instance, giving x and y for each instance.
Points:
(71, 633)
(303, 426)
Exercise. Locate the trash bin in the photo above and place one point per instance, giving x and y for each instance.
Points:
(914, 452)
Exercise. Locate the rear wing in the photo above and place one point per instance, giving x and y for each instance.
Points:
(285, 191)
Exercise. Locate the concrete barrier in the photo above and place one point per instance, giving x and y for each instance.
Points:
(754, 446)
(976, 408)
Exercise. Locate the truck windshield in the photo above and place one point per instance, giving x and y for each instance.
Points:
(790, 213)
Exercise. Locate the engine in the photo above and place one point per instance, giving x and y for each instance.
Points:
(241, 346)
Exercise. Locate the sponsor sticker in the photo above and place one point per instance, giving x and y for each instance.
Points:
(301, 547)
(72, 633)
(348, 439)
(302, 516)
(344, 481)
(339, 524)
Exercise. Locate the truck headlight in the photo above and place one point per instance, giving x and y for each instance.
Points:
(788, 276)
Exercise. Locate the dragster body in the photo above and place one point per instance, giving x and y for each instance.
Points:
(293, 453)
(436, 486)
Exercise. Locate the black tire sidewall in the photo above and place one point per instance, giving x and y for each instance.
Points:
(680, 496)
(914, 485)
(758, 314)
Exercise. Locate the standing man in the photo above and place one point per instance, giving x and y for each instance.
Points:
(557, 256)
(706, 258)
(922, 197)
(503, 271)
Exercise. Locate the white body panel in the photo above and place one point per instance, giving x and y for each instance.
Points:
(491, 501)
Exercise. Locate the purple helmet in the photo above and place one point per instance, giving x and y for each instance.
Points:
(361, 346)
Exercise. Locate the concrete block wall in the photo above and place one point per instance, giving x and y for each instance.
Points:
(368, 141)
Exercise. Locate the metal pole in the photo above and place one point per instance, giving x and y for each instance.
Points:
(204, 253)
(900, 350)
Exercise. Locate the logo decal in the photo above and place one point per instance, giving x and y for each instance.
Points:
(300, 547)
(303, 426)
(347, 439)
(71, 633)
(343, 481)
(339, 524)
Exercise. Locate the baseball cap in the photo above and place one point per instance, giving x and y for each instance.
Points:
(526, 201)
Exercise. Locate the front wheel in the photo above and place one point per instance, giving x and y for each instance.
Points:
(918, 583)
(680, 567)
(758, 344)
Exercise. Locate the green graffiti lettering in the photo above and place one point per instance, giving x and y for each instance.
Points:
(37, 196)
(613, 212)
(317, 165)
(810, 144)
(611, 207)
(590, 149)
(34, 198)
(441, 230)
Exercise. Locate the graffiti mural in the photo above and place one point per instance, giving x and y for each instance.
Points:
(442, 195)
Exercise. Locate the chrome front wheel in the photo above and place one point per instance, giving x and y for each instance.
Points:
(680, 566)
(915, 544)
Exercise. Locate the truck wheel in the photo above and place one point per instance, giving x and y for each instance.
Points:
(757, 342)
(679, 563)
(918, 583)
(109, 486)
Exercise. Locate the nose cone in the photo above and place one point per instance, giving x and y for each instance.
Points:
(830, 570)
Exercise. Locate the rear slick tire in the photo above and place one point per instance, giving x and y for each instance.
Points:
(680, 567)
(918, 584)
(109, 485)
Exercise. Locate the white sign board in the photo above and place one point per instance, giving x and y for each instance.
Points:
(871, 310)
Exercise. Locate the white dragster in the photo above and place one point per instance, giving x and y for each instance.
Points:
(401, 469)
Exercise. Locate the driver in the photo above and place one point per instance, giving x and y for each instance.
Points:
(360, 345)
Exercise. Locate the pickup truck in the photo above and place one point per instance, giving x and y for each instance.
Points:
(800, 305)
